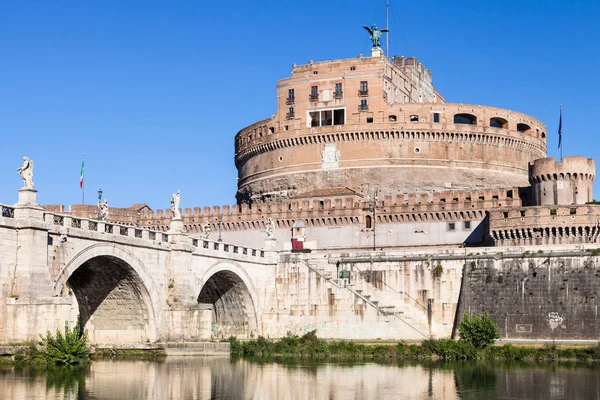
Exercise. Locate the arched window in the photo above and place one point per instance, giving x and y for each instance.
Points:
(497, 122)
(368, 222)
(523, 128)
(467, 119)
(414, 118)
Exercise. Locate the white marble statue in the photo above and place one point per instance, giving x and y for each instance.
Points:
(104, 210)
(26, 172)
(175, 205)
(270, 225)
(206, 230)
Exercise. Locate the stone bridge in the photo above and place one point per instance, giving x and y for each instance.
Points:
(127, 285)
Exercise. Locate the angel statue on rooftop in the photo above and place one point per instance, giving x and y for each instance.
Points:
(26, 172)
(375, 34)
(175, 205)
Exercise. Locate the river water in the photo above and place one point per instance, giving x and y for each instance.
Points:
(222, 378)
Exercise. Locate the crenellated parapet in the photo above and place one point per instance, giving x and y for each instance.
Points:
(562, 183)
(339, 211)
(544, 225)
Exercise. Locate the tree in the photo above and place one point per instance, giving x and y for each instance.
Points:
(480, 331)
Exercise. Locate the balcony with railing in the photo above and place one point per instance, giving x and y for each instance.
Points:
(290, 100)
(313, 97)
(363, 107)
(338, 94)
(363, 92)
(290, 115)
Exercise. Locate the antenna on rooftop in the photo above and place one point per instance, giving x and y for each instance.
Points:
(387, 27)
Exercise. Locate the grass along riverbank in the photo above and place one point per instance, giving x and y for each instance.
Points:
(310, 346)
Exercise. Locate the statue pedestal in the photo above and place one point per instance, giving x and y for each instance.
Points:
(270, 244)
(27, 207)
(376, 52)
(176, 225)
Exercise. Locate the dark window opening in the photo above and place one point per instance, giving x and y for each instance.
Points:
(414, 118)
(466, 119)
(572, 211)
(451, 226)
(553, 211)
(315, 72)
(326, 118)
(369, 120)
(392, 118)
(364, 105)
(290, 113)
(368, 222)
(523, 128)
(339, 117)
(522, 213)
(509, 194)
(352, 68)
(498, 123)
(436, 117)
(467, 225)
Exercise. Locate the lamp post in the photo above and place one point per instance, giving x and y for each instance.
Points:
(373, 209)
(219, 220)
(99, 201)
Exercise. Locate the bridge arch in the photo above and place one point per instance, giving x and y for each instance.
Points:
(116, 298)
(236, 310)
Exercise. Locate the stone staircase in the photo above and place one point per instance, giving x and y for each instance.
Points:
(400, 311)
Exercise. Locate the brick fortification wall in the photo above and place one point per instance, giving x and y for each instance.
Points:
(540, 295)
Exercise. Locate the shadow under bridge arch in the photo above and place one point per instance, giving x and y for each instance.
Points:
(113, 301)
(228, 289)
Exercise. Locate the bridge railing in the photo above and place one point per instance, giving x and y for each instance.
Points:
(103, 226)
(227, 248)
(61, 220)
(7, 211)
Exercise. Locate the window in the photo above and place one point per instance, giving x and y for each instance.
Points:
(339, 116)
(369, 120)
(314, 93)
(338, 91)
(523, 128)
(352, 68)
(466, 119)
(467, 225)
(498, 123)
(414, 118)
(451, 226)
(368, 222)
(364, 88)
(505, 213)
(553, 211)
(522, 213)
(436, 117)
(364, 105)
(315, 72)
(336, 116)
(392, 118)
(290, 98)
(290, 113)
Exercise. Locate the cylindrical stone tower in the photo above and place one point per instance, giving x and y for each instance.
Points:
(562, 183)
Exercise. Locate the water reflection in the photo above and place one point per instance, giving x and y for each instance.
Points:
(222, 378)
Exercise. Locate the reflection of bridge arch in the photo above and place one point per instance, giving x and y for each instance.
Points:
(115, 296)
(235, 307)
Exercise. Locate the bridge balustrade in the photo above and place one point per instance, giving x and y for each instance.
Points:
(8, 212)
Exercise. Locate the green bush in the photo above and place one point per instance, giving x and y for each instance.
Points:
(479, 331)
(65, 349)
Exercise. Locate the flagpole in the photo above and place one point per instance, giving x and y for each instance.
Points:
(560, 134)
(83, 181)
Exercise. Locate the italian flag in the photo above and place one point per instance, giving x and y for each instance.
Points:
(81, 177)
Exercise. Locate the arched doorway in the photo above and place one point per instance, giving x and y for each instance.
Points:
(112, 299)
(233, 310)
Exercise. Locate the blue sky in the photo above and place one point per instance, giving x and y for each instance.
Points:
(153, 92)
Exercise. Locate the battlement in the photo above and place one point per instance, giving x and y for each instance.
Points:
(571, 168)
(567, 182)
(544, 225)
(344, 210)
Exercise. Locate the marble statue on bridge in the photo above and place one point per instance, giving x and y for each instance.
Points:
(104, 210)
(175, 205)
(26, 172)
(206, 230)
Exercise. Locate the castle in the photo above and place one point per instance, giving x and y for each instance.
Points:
(367, 208)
